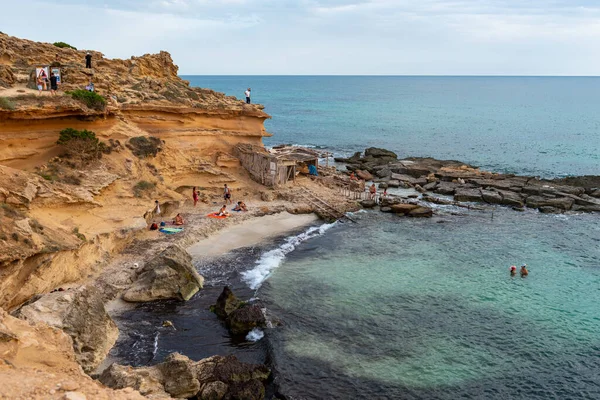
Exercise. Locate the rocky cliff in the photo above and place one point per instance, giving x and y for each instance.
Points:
(61, 219)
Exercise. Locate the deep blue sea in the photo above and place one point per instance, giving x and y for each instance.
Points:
(547, 126)
(397, 308)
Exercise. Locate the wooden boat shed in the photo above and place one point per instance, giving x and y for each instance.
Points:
(277, 166)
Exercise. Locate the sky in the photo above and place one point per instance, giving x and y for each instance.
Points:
(327, 37)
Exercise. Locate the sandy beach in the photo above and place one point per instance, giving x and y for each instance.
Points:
(249, 233)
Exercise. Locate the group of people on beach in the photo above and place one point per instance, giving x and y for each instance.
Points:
(240, 206)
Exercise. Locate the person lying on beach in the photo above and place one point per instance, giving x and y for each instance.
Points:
(240, 206)
(353, 177)
(524, 271)
(178, 220)
(223, 211)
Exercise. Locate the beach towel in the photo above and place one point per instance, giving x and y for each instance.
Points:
(170, 231)
(216, 216)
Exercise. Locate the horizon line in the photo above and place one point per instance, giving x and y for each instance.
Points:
(400, 75)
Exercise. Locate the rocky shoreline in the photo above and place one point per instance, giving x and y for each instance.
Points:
(468, 184)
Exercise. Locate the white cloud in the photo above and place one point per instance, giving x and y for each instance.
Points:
(328, 36)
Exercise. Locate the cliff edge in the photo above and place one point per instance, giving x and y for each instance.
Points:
(62, 218)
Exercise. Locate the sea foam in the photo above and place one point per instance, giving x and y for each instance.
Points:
(273, 258)
(255, 335)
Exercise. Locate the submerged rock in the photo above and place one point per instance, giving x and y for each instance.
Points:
(170, 275)
(211, 378)
(80, 313)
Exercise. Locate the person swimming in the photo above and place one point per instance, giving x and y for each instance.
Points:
(524, 271)
(513, 270)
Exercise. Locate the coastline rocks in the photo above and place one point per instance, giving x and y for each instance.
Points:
(211, 378)
(80, 313)
(368, 203)
(246, 318)
(364, 175)
(421, 212)
(170, 275)
(239, 316)
(226, 303)
(403, 208)
(469, 184)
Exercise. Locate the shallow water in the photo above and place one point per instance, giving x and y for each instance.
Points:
(403, 308)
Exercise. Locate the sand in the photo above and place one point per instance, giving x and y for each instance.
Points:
(250, 233)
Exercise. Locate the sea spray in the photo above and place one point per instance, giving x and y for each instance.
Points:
(272, 259)
(155, 349)
(255, 335)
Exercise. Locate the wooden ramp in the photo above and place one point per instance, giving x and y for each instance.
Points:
(322, 208)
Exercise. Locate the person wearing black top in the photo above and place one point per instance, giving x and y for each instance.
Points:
(88, 60)
(53, 83)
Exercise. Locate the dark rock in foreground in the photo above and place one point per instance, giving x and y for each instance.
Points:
(211, 378)
(239, 316)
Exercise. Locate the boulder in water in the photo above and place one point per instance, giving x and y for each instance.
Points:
(368, 203)
(226, 303)
(246, 318)
(170, 275)
(403, 208)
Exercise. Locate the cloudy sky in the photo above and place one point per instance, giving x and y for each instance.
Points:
(395, 37)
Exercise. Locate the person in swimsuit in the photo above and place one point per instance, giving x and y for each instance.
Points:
(240, 206)
(524, 271)
(195, 196)
(227, 194)
(372, 192)
(223, 211)
(513, 270)
(178, 220)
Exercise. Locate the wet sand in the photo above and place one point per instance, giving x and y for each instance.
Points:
(250, 233)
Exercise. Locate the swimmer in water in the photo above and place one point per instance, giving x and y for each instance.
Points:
(513, 270)
(524, 271)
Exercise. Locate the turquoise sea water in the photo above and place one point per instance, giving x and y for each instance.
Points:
(398, 308)
(548, 126)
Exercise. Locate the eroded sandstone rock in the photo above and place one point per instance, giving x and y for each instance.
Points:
(171, 275)
(79, 313)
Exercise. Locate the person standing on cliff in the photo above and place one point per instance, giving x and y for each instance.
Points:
(247, 93)
(88, 60)
(53, 84)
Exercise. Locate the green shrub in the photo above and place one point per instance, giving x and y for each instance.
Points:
(64, 45)
(142, 146)
(6, 104)
(141, 187)
(80, 236)
(91, 99)
(81, 145)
